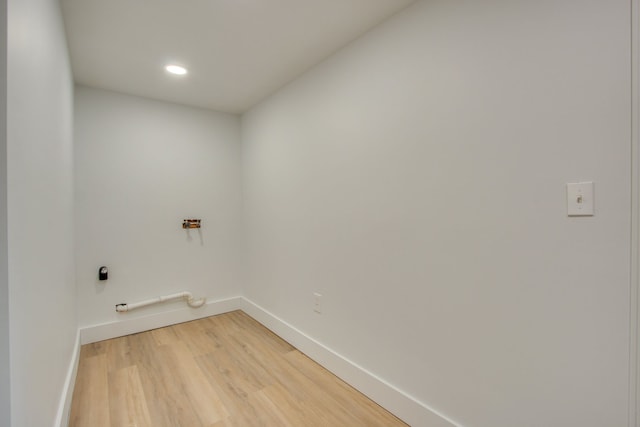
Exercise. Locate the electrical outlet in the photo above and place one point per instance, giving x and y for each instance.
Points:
(317, 303)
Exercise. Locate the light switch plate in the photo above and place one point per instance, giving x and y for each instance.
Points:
(580, 199)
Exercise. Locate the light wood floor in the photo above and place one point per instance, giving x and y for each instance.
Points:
(221, 371)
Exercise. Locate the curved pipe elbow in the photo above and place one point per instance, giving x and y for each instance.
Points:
(196, 303)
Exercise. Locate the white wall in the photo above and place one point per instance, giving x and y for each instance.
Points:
(417, 180)
(40, 210)
(142, 166)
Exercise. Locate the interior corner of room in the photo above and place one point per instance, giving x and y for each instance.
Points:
(398, 207)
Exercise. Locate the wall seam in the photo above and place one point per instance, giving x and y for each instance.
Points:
(634, 302)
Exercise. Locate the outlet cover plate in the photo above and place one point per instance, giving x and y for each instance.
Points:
(317, 302)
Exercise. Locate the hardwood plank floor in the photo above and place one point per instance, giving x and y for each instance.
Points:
(222, 371)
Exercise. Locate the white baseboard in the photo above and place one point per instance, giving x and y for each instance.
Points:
(62, 417)
(399, 403)
(126, 326)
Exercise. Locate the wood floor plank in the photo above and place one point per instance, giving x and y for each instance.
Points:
(162, 384)
(193, 334)
(295, 410)
(163, 336)
(118, 353)
(271, 413)
(222, 371)
(343, 396)
(233, 386)
(127, 402)
(91, 394)
(259, 333)
(204, 400)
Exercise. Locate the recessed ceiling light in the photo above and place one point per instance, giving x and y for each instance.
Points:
(176, 69)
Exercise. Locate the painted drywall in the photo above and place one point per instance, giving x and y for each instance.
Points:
(417, 181)
(143, 166)
(5, 376)
(41, 267)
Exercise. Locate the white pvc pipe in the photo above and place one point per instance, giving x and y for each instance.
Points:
(195, 303)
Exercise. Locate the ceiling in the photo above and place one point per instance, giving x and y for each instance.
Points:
(237, 51)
